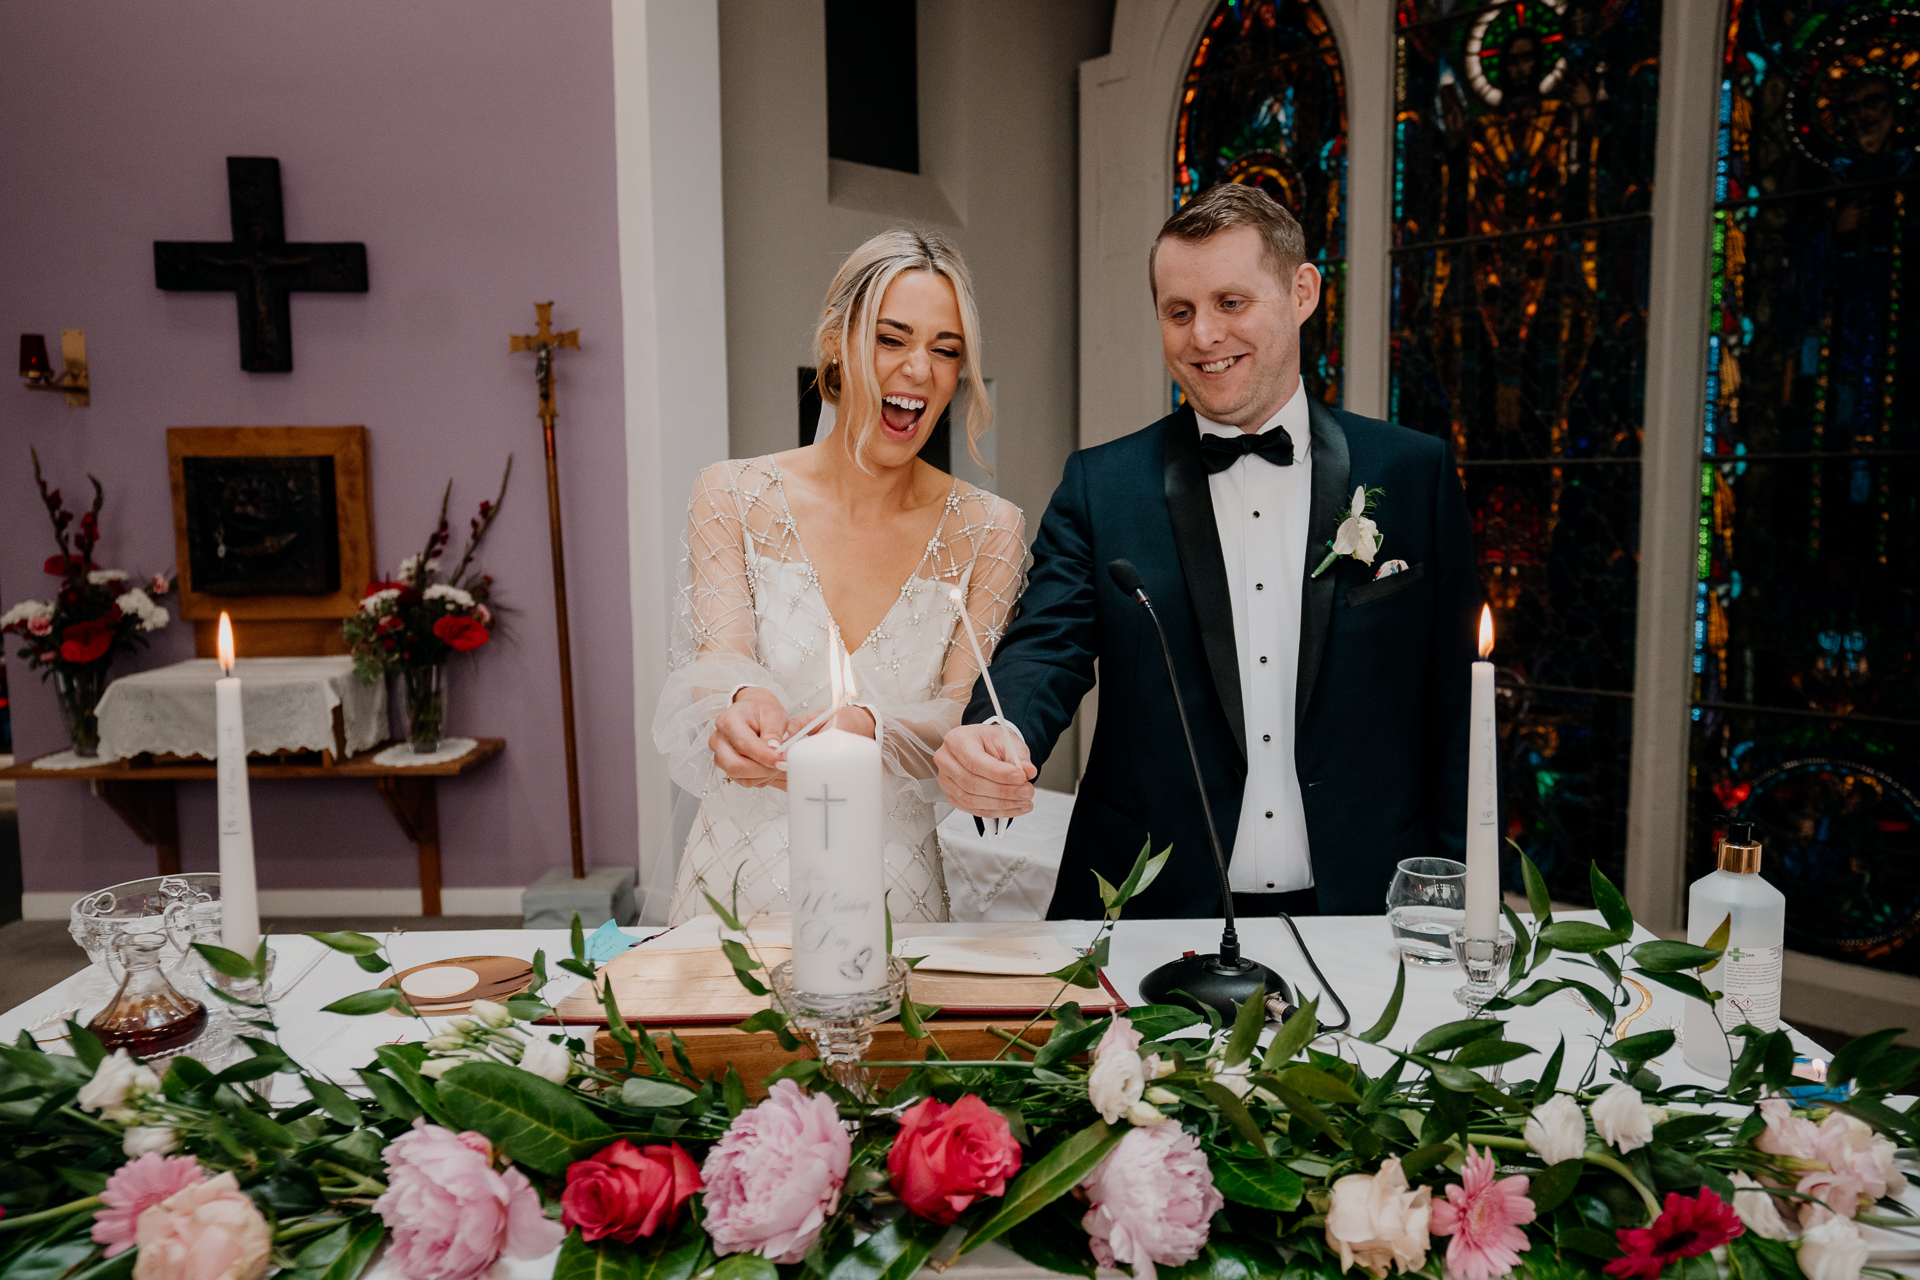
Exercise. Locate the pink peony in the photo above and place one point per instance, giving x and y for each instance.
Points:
(775, 1178)
(451, 1212)
(135, 1187)
(1484, 1217)
(1152, 1198)
(207, 1230)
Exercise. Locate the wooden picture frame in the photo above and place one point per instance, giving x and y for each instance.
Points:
(279, 625)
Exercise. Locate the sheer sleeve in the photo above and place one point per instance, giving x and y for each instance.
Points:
(982, 548)
(712, 653)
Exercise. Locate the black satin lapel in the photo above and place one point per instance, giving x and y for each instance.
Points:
(1197, 538)
(1331, 470)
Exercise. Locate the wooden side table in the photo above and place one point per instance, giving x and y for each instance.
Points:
(143, 797)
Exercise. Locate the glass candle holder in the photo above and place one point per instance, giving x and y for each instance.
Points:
(841, 1026)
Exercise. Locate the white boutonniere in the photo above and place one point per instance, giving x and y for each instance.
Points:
(1357, 536)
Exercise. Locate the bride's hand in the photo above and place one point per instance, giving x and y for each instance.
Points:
(745, 738)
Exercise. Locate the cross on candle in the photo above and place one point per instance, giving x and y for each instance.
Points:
(826, 800)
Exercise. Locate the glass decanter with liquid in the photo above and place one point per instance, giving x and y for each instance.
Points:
(147, 1016)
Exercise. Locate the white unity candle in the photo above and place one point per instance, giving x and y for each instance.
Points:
(834, 852)
(239, 900)
(1483, 799)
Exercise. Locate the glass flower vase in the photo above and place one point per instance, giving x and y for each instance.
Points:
(426, 689)
(79, 691)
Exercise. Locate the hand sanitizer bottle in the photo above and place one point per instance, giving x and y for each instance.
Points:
(1748, 977)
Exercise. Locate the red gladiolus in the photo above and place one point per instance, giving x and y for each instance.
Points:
(945, 1157)
(627, 1192)
(461, 633)
(1685, 1229)
(85, 641)
(57, 565)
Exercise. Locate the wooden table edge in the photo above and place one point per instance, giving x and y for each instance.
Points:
(358, 766)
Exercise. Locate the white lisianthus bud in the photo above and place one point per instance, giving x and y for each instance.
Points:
(493, 1015)
(447, 1042)
(1160, 1097)
(434, 1068)
(1145, 1115)
(117, 1082)
(1758, 1210)
(547, 1060)
(1621, 1118)
(140, 1141)
(1162, 1067)
(1834, 1250)
(1557, 1130)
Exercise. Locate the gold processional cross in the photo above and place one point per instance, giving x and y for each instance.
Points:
(543, 342)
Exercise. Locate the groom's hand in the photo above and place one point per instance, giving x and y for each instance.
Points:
(986, 772)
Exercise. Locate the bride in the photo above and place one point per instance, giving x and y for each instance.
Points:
(853, 532)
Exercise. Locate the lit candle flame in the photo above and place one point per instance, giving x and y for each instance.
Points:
(1486, 632)
(226, 645)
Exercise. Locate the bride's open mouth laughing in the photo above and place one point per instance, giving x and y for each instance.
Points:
(900, 416)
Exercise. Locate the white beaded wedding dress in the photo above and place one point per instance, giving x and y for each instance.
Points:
(751, 612)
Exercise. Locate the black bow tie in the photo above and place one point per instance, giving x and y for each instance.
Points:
(1217, 453)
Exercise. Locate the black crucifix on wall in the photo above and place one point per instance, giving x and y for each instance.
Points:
(259, 266)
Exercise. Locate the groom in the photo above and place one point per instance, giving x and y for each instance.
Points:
(1328, 692)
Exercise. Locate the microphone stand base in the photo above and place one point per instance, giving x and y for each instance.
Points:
(1204, 982)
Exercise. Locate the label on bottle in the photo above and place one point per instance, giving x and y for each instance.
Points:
(1750, 987)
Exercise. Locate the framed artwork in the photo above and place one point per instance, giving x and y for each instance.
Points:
(272, 525)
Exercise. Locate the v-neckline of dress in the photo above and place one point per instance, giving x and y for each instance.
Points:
(813, 572)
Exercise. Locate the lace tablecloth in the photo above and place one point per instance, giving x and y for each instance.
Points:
(288, 704)
(1009, 878)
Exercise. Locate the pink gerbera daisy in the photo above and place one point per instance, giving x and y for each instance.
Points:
(1484, 1216)
(135, 1187)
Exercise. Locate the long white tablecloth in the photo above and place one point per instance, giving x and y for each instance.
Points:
(1355, 952)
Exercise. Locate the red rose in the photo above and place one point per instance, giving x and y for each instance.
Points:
(947, 1157)
(388, 622)
(461, 633)
(627, 1192)
(85, 641)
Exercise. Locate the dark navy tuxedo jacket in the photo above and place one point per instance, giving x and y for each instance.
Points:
(1381, 735)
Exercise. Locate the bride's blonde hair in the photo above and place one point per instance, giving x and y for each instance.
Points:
(852, 307)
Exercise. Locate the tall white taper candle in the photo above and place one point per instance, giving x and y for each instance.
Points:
(239, 898)
(835, 854)
(1483, 799)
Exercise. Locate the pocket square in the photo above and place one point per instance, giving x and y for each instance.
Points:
(1390, 568)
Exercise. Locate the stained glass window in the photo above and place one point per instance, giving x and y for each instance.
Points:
(1522, 180)
(1806, 713)
(1265, 104)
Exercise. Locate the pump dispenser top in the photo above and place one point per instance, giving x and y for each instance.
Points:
(1740, 852)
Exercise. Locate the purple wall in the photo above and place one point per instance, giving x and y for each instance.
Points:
(470, 144)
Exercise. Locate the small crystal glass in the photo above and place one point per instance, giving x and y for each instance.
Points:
(1483, 963)
(841, 1026)
(1426, 902)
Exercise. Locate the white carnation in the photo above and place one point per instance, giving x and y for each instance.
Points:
(101, 577)
(407, 567)
(26, 611)
(378, 598)
(441, 591)
(138, 604)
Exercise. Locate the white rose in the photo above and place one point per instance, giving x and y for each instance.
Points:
(1758, 1210)
(547, 1060)
(494, 1015)
(117, 1081)
(1558, 1130)
(1834, 1250)
(441, 591)
(1115, 1083)
(141, 1141)
(1621, 1118)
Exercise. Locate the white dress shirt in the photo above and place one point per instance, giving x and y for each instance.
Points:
(1261, 511)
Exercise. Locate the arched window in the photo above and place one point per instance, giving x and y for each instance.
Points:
(1265, 104)
(1522, 183)
(1806, 672)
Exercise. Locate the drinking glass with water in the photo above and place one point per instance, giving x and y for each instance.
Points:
(1425, 903)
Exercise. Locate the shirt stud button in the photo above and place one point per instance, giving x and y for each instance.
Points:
(1269, 813)
(1259, 586)
(1269, 884)
(1256, 515)
(1263, 657)
(1266, 737)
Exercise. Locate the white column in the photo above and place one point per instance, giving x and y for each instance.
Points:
(666, 59)
(1691, 39)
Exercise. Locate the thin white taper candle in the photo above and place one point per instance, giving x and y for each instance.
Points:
(239, 896)
(1483, 799)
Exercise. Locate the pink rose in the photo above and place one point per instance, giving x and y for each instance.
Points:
(207, 1230)
(135, 1187)
(1152, 1199)
(40, 626)
(451, 1212)
(775, 1178)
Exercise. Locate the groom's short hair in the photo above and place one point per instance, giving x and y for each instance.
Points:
(1229, 205)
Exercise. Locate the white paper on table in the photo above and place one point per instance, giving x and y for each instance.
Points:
(1033, 956)
(770, 929)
